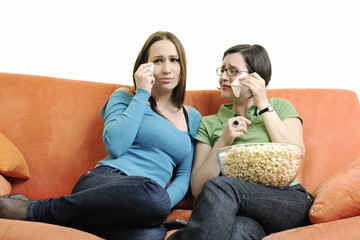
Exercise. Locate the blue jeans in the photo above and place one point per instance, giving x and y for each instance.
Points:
(110, 204)
(228, 208)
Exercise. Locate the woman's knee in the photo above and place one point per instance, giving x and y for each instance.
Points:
(216, 182)
(157, 211)
(156, 203)
(217, 190)
(247, 228)
(220, 185)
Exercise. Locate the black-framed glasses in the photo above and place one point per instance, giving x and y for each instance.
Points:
(231, 72)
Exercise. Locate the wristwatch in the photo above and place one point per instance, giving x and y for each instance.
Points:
(267, 109)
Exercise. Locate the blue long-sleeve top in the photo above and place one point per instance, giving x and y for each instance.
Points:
(141, 142)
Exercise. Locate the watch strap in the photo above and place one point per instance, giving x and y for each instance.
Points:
(267, 109)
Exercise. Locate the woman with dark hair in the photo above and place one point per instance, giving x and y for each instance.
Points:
(228, 208)
(149, 136)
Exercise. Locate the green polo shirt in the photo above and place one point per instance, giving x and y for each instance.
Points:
(212, 126)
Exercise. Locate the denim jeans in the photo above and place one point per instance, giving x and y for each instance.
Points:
(228, 208)
(110, 204)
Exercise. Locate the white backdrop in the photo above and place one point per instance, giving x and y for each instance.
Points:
(312, 43)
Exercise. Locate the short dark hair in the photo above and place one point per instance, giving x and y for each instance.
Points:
(256, 59)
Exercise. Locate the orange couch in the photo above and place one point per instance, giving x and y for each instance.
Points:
(52, 126)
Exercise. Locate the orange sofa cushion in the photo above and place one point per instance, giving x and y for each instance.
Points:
(344, 229)
(339, 196)
(328, 147)
(5, 186)
(12, 161)
(24, 230)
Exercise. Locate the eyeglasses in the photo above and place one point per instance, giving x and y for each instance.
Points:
(231, 72)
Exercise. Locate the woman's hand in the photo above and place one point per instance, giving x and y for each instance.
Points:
(257, 86)
(235, 127)
(144, 77)
(288, 130)
(205, 163)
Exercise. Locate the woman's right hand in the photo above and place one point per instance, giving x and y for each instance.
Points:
(235, 127)
(144, 77)
(205, 161)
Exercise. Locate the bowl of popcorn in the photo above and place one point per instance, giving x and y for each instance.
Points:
(268, 164)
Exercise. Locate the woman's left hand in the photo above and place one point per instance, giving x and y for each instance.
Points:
(257, 86)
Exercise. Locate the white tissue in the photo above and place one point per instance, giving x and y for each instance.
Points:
(236, 85)
(151, 67)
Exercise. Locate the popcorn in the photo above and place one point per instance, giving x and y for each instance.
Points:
(269, 164)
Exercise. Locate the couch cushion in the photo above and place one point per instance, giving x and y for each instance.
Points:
(337, 146)
(26, 230)
(56, 124)
(12, 161)
(339, 196)
(5, 186)
(344, 229)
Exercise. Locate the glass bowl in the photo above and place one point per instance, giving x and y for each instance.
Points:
(268, 164)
